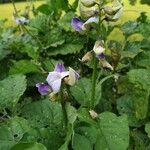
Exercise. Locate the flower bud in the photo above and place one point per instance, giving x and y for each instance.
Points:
(88, 3)
(87, 12)
(93, 114)
(110, 11)
(106, 64)
(99, 47)
(87, 57)
(113, 13)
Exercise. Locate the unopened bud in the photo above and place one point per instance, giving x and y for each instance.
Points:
(99, 47)
(109, 10)
(87, 57)
(106, 64)
(93, 114)
(87, 12)
(89, 3)
(114, 13)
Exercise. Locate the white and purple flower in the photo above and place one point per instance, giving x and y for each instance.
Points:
(21, 20)
(79, 25)
(43, 88)
(55, 78)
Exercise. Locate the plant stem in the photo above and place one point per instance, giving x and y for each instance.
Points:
(94, 76)
(63, 105)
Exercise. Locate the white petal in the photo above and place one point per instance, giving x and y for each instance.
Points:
(53, 76)
(64, 74)
(89, 21)
(98, 47)
(56, 85)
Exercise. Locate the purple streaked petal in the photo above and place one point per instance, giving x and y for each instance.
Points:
(77, 76)
(76, 23)
(43, 88)
(59, 68)
(101, 56)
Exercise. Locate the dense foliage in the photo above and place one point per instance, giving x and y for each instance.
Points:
(119, 118)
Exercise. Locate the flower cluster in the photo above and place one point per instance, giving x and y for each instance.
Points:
(21, 20)
(91, 10)
(55, 79)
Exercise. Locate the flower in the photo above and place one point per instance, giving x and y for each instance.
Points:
(99, 47)
(55, 77)
(79, 25)
(21, 20)
(43, 88)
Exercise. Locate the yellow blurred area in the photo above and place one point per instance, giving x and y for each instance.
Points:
(130, 12)
(6, 10)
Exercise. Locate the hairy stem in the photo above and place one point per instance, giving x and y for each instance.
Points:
(94, 75)
(63, 105)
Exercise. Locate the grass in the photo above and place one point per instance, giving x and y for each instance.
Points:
(6, 10)
(130, 13)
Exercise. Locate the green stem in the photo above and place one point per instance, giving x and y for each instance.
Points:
(32, 35)
(94, 77)
(63, 105)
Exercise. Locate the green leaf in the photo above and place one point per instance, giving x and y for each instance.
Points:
(129, 28)
(140, 140)
(99, 89)
(113, 132)
(147, 129)
(50, 137)
(44, 8)
(65, 21)
(71, 113)
(24, 67)
(125, 105)
(87, 131)
(81, 142)
(3, 52)
(54, 38)
(140, 78)
(81, 91)
(12, 132)
(56, 5)
(68, 138)
(29, 146)
(31, 50)
(11, 88)
(84, 116)
(140, 99)
(68, 48)
(43, 113)
(131, 50)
